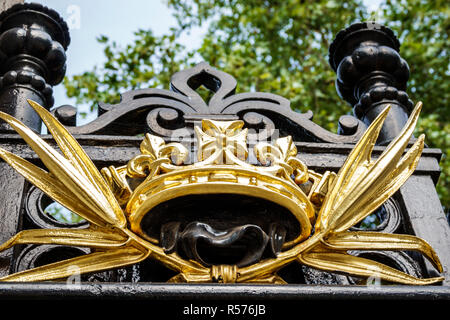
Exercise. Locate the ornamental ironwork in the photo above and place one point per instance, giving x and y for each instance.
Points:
(168, 187)
(122, 225)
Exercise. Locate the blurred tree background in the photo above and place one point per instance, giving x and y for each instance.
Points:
(281, 46)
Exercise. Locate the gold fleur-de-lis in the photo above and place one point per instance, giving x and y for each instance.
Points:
(154, 153)
(282, 159)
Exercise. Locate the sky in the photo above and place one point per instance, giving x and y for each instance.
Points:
(116, 19)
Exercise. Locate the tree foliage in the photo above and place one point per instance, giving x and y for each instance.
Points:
(281, 46)
(423, 28)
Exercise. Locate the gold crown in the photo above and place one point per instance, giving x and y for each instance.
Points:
(116, 200)
(221, 169)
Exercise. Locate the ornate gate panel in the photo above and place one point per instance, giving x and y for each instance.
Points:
(167, 188)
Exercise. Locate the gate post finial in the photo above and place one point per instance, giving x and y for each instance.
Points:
(33, 42)
(371, 74)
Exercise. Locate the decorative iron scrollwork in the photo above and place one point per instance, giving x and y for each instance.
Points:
(35, 204)
(174, 113)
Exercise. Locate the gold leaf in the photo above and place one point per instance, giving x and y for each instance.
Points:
(97, 261)
(270, 278)
(357, 266)
(174, 151)
(365, 192)
(387, 184)
(51, 186)
(359, 156)
(79, 159)
(191, 277)
(77, 184)
(72, 237)
(366, 240)
(360, 180)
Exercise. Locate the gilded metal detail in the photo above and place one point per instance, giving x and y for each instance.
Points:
(325, 206)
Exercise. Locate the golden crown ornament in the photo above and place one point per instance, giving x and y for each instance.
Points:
(119, 202)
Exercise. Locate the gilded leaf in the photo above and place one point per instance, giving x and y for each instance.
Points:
(361, 184)
(365, 240)
(386, 186)
(357, 266)
(266, 153)
(92, 238)
(356, 160)
(51, 186)
(80, 188)
(79, 160)
(93, 262)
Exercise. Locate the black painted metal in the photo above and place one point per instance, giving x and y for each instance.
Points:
(173, 113)
(33, 40)
(202, 292)
(370, 74)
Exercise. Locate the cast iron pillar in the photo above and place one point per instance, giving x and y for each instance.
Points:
(371, 74)
(33, 41)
